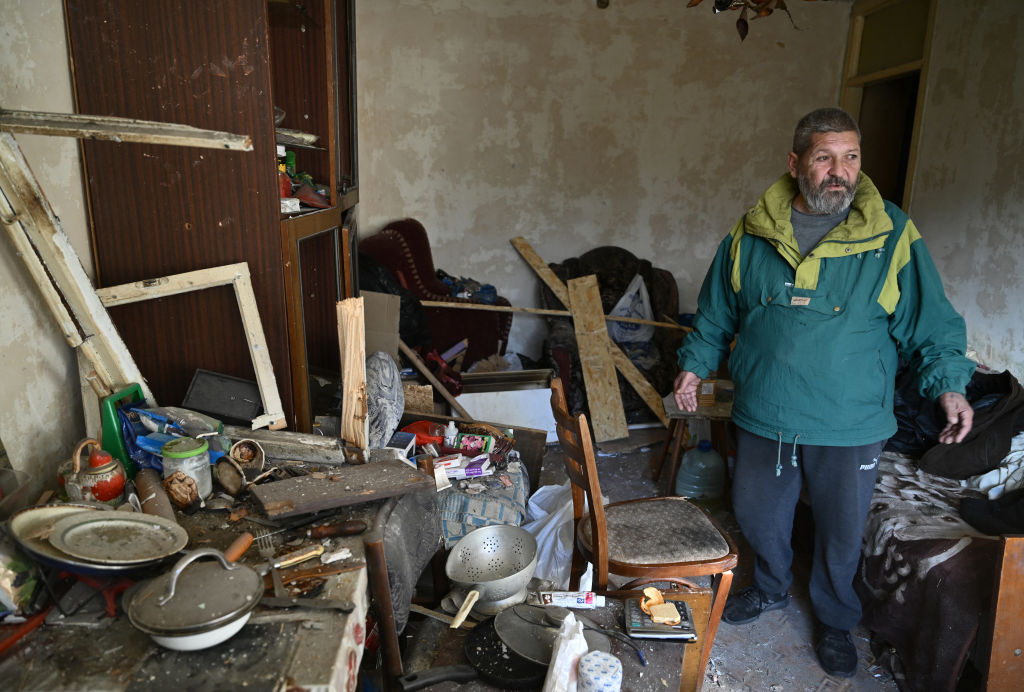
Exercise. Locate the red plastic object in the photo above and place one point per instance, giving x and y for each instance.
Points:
(421, 429)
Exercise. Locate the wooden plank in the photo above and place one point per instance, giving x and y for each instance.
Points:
(635, 378)
(355, 423)
(350, 485)
(165, 286)
(101, 127)
(542, 269)
(543, 311)
(32, 215)
(1005, 664)
(287, 445)
(640, 384)
(418, 398)
(236, 275)
(273, 412)
(425, 371)
(607, 417)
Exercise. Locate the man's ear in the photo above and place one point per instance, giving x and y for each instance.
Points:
(792, 160)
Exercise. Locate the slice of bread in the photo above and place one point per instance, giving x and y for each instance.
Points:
(665, 614)
(651, 597)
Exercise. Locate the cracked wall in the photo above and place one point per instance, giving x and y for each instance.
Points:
(41, 412)
(646, 125)
(967, 197)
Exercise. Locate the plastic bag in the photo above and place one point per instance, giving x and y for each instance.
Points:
(569, 646)
(549, 519)
(635, 302)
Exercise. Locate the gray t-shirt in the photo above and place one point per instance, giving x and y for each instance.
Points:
(809, 229)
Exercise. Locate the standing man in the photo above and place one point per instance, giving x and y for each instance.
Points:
(823, 284)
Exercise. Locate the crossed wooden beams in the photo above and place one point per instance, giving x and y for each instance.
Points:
(600, 357)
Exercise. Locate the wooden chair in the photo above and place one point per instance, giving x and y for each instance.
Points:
(659, 539)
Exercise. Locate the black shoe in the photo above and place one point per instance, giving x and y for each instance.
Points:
(836, 652)
(747, 605)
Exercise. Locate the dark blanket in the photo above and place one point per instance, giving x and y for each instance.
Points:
(995, 425)
(926, 577)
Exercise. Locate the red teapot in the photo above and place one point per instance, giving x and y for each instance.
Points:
(102, 481)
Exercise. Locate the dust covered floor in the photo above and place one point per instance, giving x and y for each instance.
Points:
(774, 653)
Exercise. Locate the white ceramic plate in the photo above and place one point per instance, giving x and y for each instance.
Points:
(117, 538)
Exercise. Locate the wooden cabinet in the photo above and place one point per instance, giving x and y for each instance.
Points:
(159, 210)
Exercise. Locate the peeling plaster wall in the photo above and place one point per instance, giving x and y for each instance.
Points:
(645, 125)
(967, 195)
(40, 407)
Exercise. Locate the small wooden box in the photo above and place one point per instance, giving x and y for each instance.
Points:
(706, 393)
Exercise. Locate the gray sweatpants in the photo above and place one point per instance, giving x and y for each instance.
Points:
(840, 482)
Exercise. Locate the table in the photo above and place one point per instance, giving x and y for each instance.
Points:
(719, 413)
(277, 648)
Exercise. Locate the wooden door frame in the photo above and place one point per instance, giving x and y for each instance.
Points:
(851, 90)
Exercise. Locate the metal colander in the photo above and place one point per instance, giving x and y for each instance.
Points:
(496, 561)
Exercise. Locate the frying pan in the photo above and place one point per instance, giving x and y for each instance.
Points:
(489, 659)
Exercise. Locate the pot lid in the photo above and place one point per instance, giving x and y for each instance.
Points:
(184, 447)
(195, 597)
(530, 632)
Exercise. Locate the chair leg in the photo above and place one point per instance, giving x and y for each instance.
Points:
(721, 584)
(670, 436)
(677, 455)
(579, 566)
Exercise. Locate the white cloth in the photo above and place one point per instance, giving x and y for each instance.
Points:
(1009, 475)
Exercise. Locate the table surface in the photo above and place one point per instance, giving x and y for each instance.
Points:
(277, 648)
(720, 410)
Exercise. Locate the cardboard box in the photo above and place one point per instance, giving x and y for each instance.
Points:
(380, 320)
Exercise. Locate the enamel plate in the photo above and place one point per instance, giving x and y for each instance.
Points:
(118, 538)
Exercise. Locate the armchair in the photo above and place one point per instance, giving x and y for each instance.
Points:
(403, 248)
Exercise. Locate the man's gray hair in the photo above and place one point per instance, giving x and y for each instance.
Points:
(822, 120)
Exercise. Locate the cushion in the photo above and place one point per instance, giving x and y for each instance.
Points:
(667, 530)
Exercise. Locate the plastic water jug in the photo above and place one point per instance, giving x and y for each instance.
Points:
(701, 474)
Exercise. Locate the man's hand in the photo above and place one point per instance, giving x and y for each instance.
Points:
(685, 390)
(959, 417)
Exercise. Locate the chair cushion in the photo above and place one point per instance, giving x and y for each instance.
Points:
(670, 529)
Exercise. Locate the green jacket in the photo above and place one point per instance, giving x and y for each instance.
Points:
(818, 337)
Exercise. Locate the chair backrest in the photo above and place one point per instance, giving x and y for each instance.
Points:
(581, 467)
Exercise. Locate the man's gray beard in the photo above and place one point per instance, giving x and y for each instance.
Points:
(825, 202)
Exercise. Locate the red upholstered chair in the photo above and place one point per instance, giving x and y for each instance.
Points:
(403, 248)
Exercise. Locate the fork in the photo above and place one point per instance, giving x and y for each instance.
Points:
(264, 544)
(266, 547)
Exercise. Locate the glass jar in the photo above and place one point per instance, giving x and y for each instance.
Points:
(192, 457)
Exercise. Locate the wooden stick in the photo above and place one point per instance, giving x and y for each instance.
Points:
(543, 311)
(440, 617)
(119, 130)
(355, 420)
(422, 367)
(622, 361)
